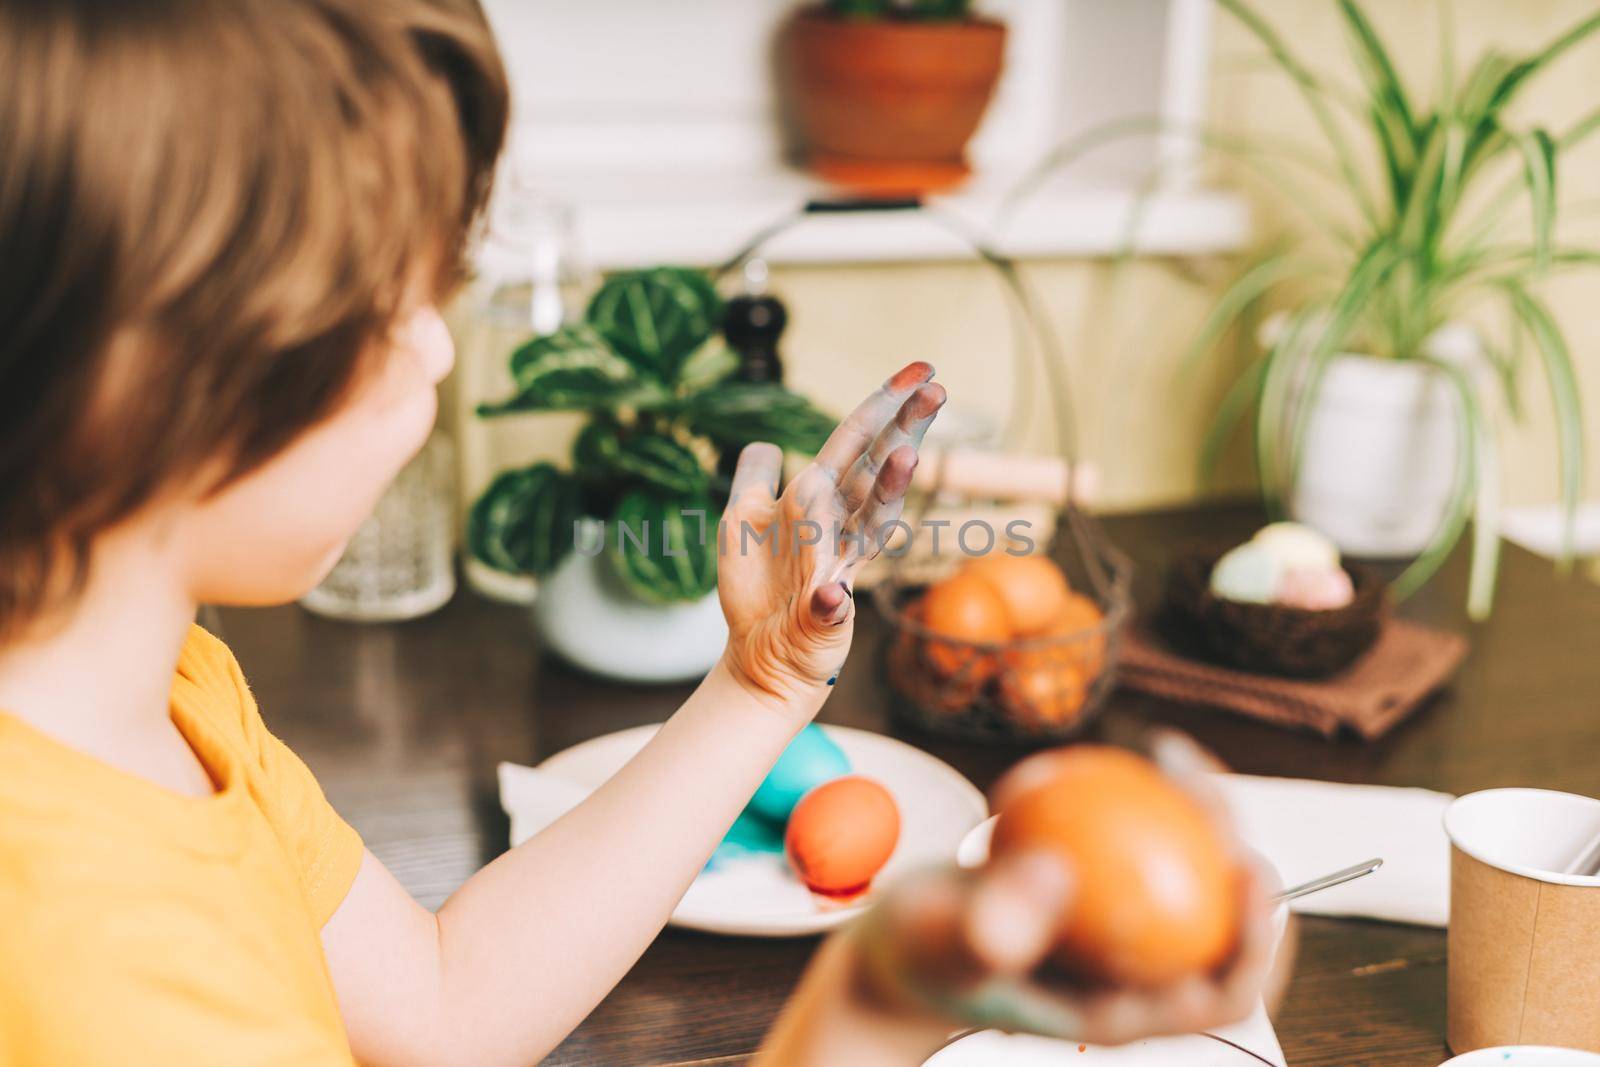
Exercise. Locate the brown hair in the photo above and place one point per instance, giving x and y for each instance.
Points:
(208, 213)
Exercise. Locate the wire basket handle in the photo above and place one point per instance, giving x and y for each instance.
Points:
(1106, 566)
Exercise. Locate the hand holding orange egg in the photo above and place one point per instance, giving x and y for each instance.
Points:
(1157, 888)
(1114, 906)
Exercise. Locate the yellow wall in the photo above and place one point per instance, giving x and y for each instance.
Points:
(1140, 423)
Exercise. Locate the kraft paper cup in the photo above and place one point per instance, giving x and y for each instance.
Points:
(1524, 940)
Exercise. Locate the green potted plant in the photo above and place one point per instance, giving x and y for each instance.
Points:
(624, 541)
(1373, 394)
(886, 95)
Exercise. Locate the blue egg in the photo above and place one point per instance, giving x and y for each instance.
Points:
(811, 759)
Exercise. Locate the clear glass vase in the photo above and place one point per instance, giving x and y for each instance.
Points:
(401, 562)
(530, 282)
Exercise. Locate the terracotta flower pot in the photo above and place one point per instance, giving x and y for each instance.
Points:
(887, 106)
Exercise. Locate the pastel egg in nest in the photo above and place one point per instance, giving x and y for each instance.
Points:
(1269, 638)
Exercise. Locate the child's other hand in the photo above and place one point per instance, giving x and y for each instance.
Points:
(968, 946)
(787, 564)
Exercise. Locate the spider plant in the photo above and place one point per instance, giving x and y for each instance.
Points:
(1461, 213)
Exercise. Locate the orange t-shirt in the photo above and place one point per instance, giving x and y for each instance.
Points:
(140, 927)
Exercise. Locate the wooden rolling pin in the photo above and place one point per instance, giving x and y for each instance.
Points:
(981, 475)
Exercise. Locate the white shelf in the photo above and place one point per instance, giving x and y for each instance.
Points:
(661, 125)
(705, 219)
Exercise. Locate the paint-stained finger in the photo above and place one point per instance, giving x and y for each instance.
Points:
(907, 427)
(756, 475)
(866, 530)
(855, 434)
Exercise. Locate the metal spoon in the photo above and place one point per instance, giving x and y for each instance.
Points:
(1587, 861)
(1328, 881)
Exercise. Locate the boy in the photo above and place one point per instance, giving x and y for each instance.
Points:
(226, 227)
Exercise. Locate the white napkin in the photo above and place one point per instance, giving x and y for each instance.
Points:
(534, 799)
(1311, 828)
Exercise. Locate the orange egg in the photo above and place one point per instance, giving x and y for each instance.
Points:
(1032, 588)
(913, 678)
(964, 608)
(1156, 895)
(1045, 693)
(1072, 637)
(841, 834)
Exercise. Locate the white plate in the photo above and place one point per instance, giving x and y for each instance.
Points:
(757, 896)
(1247, 1044)
(1524, 1056)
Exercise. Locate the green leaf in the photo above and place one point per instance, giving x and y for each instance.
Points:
(1504, 363)
(1419, 208)
(524, 522)
(1517, 75)
(709, 364)
(1564, 398)
(1259, 158)
(1389, 95)
(603, 451)
(864, 9)
(1312, 91)
(1342, 317)
(939, 10)
(573, 369)
(1581, 130)
(663, 547)
(1258, 280)
(1447, 53)
(736, 414)
(1539, 171)
(656, 318)
(1278, 373)
(1462, 494)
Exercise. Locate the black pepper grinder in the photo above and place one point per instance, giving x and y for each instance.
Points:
(752, 324)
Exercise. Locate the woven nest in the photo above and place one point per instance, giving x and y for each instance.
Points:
(1270, 638)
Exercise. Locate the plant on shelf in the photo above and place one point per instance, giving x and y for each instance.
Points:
(885, 94)
(648, 365)
(923, 10)
(1461, 214)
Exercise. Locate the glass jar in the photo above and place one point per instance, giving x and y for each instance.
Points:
(400, 564)
(530, 282)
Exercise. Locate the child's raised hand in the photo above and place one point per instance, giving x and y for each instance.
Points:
(787, 563)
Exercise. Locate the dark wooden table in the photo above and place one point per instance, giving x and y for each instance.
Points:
(404, 725)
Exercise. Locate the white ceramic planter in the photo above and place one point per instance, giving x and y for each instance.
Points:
(587, 616)
(1379, 459)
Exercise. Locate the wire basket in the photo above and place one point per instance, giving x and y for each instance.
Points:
(1039, 688)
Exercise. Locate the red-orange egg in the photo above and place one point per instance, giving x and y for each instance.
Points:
(1076, 626)
(1156, 895)
(841, 834)
(1043, 692)
(964, 608)
(1032, 588)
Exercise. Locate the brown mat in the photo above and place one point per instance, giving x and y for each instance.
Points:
(1386, 684)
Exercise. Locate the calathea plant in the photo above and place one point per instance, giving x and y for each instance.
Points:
(648, 364)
